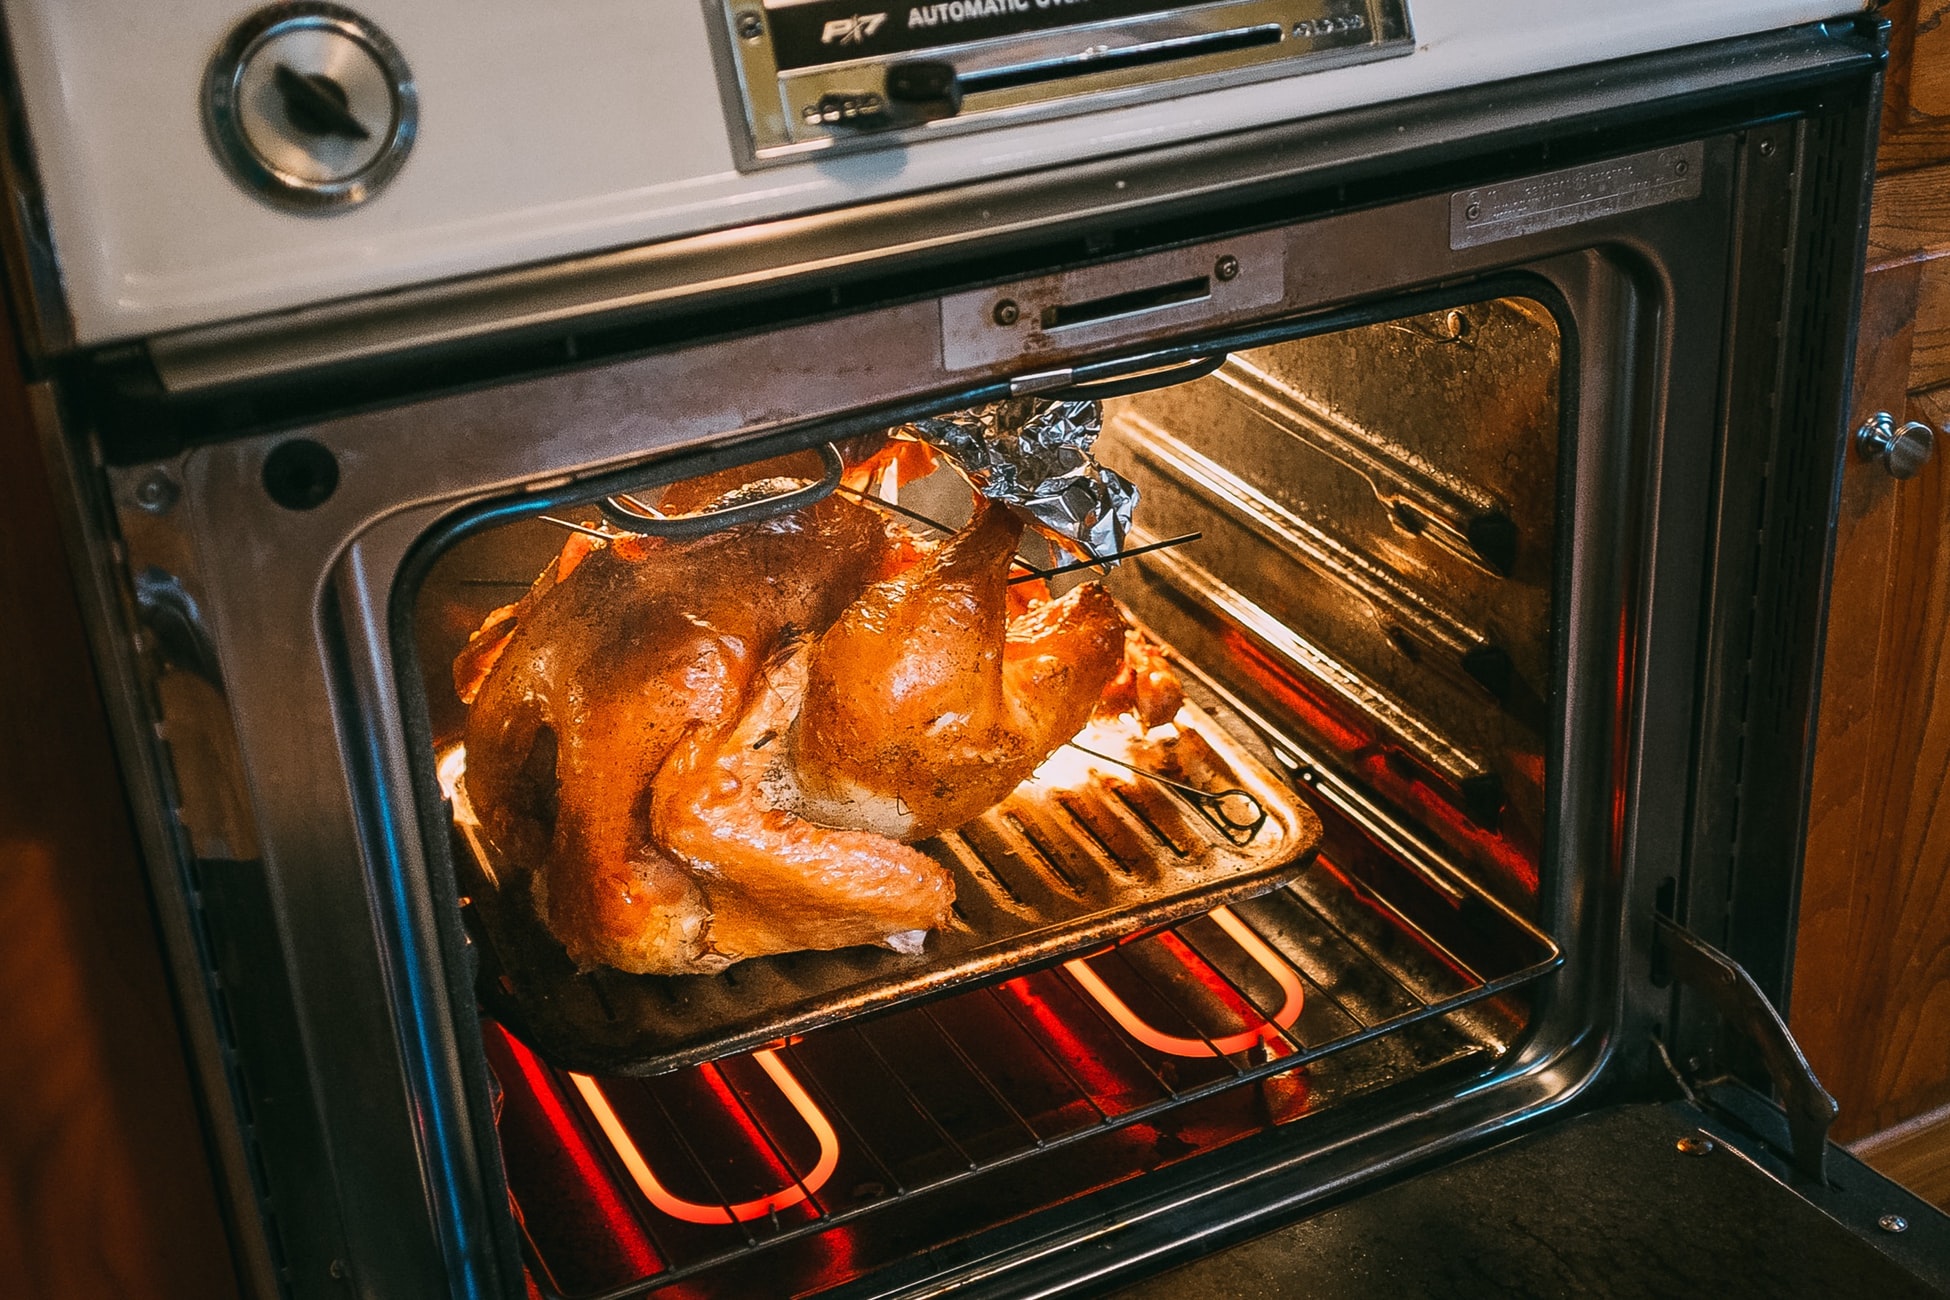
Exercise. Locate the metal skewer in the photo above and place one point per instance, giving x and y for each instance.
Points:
(1213, 800)
(1124, 554)
(584, 529)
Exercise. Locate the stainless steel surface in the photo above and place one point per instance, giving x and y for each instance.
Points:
(1379, 508)
(299, 606)
(1104, 305)
(1491, 213)
(310, 106)
(1357, 575)
(1078, 856)
(1733, 994)
(162, 804)
(1211, 605)
(291, 669)
(1902, 452)
(818, 76)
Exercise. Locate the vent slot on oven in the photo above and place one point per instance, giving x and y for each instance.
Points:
(1059, 315)
(1358, 595)
(1146, 55)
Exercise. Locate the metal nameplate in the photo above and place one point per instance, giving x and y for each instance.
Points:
(1491, 213)
(838, 74)
(1120, 302)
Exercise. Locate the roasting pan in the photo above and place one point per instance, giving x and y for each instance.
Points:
(1085, 853)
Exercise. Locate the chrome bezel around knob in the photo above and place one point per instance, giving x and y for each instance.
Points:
(1902, 451)
(223, 116)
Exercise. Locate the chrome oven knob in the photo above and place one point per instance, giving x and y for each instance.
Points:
(310, 106)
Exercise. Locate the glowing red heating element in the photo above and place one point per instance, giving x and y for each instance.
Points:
(1265, 1032)
(693, 1211)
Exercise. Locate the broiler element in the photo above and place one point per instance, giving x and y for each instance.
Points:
(800, 1189)
(926, 705)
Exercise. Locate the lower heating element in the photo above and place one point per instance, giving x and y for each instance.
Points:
(847, 1148)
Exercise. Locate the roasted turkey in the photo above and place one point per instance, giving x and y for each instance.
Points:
(926, 704)
(720, 749)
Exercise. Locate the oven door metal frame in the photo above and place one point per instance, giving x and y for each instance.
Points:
(384, 1123)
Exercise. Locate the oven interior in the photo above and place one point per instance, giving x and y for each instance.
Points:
(1367, 608)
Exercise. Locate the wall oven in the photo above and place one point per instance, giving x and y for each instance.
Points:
(1482, 392)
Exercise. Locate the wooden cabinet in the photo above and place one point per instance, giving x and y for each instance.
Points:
(1871, 998)
(105, 1185)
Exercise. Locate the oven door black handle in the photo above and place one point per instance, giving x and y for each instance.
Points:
(1141, 382)
(632, 515)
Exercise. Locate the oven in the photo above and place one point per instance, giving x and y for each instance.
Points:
(1481, 384)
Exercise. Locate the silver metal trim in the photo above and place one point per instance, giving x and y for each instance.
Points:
(134, 725)
(224, 126)
(1047, 73)
(986, 327)
(1492, 213)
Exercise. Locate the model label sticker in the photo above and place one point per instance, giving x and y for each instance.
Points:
(1537, 203)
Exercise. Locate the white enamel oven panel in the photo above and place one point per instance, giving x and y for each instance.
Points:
(553, 129)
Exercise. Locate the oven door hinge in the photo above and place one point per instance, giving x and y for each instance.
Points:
(1733, 993)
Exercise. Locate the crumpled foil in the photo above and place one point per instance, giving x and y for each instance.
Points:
(1034, 454)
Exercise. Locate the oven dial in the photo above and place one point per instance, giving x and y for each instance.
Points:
(310, 106)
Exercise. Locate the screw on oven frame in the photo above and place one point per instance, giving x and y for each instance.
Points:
(1893, 1223)
(1006, 312)
(750, 26)
(1226, 268)
(1472, 212)
(157, 493)
(1694, 1144)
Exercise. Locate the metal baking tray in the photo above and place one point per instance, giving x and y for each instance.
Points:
(1082, 854)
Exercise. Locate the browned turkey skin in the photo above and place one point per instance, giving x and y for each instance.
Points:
(609, 670)
(926, 704)
(720, 749)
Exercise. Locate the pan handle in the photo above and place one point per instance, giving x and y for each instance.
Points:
(631, 515)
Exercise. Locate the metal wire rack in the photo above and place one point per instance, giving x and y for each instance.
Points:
(746, 1154)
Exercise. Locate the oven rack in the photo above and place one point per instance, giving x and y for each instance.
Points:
(990, 1078)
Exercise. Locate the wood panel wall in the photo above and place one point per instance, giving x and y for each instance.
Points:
(105, 1186)
(1871, 998)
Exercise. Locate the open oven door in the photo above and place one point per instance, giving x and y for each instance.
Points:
(1640, 1200)
(1718, 1192)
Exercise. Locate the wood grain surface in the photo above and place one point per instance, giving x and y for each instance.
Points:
(1825, 1003)
(1910, 222)
(1916, 90)
(1916, 1154)
(1871, 997)
(1871, 1003)
(105, 1188)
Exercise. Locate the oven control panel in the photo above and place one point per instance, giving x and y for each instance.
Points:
(860, 74)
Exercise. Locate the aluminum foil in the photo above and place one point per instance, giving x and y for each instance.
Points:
(1034, 454)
